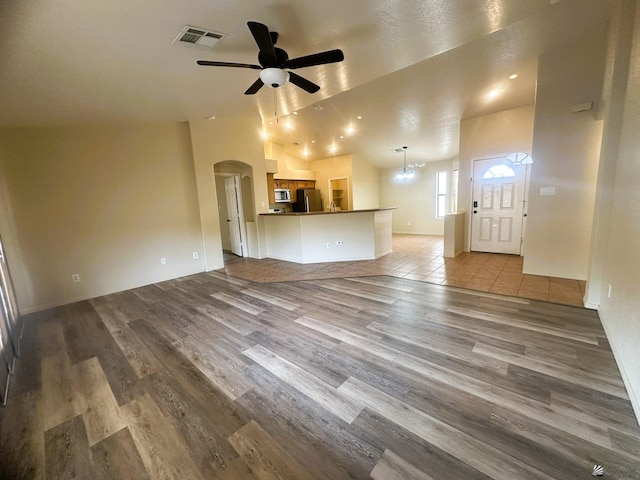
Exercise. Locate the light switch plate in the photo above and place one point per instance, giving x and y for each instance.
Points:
(544, 191)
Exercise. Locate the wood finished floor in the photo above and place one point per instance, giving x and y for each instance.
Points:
(214, 377)
(419, 257)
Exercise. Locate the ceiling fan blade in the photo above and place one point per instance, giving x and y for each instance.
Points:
(264, 41)
(228, 64)
(330, 56)
(257, 85)
(303, 83)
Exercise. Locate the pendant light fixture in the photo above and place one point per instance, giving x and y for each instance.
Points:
(404, 172)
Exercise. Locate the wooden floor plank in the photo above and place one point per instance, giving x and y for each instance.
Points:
(67, 451)
(272, 299)
(314, 388)
(101, 412)
(267, 459)
(203, 424)
(22, 438)
(453, 441)
(160, 446)
(238, 303)
(117, 458)
(137, 354)
(208, 376)
(62, 401)
(548, 330)
(392, 467)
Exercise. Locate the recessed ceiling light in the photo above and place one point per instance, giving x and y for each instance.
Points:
(288, 126)
(318, 108)
(493, 93)
(264, 134)
(333, 149)
(305, 152)
(350, 130)
(341, 136)
(295, 113)
(270, 123)
(359, 117)
(212, 117)
(513, 76)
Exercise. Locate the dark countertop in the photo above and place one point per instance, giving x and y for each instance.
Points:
(297, 214)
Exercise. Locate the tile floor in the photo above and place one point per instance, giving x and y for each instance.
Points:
(419, 257)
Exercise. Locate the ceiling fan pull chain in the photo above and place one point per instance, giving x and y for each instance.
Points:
(275, 105)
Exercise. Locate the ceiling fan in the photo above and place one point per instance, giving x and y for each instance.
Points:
(275, 63)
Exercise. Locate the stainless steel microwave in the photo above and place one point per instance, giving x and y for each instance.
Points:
(283, 195)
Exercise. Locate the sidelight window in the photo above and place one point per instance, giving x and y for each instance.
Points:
(441, 194)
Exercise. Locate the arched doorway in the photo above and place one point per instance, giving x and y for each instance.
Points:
(234, 193)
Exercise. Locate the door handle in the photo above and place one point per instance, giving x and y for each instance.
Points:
(228, 220)
(475, 211)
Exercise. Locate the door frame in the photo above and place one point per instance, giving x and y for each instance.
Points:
(525, 197)
(241, 221)
(348, 191)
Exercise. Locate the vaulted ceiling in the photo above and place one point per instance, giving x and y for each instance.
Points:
(412, 69)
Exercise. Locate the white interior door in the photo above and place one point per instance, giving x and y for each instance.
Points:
(233, 215)
(497, 208)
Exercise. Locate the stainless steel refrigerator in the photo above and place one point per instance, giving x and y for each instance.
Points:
(308, 200)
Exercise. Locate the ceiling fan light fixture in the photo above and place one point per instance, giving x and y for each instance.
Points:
(274, 77)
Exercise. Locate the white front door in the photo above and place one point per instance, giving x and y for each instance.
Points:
(498, 206)
(233, 214)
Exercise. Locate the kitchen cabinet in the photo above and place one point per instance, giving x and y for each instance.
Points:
(270, 187)
(292, 185)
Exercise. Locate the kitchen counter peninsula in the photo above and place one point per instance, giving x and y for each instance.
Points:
(314, 237)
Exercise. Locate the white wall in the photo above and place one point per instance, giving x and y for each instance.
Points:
(303, 238)
(490, 136)
(612, 106)
(214, 142)
(620, 314)
(415, 199)
(365, 184)
(106, 202)
(566, 150)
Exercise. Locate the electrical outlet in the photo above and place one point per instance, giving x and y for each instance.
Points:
(328, 244)
(195, 255)
(408, 224)
(338, 242)
(163, 261)
(75, 277)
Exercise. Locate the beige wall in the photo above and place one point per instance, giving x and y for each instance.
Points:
(365, 183)
(106, 202)
(490, 136)
(228, 140)
(333, 167)
(620, 232)
(415, 199)
(566, 150)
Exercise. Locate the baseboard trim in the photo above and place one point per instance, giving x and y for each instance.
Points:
(633, 398)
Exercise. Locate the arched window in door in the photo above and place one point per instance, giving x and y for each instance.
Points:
(499, 171)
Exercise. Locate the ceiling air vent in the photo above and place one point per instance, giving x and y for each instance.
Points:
(198, 37)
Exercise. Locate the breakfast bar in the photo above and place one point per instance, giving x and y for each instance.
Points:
(314, 237)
